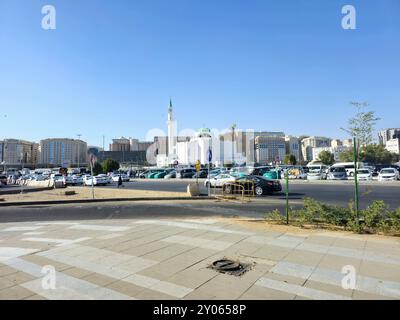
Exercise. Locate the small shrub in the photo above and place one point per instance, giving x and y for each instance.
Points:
(275, 215)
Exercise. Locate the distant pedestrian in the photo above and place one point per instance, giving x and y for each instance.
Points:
(119, 181)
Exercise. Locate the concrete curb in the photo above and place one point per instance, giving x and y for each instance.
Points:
(17, 190)
(31, 203)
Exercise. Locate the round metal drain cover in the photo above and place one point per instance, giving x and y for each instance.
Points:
(230, 267)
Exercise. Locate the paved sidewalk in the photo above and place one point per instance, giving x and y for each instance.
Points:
(169, 259)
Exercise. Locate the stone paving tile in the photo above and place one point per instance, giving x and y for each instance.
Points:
(5, 270)
(99, 279)
(337, 263)
(147, 294)
(192, 277)
(15, 293)
(5, 283)
(77, 272)
(177, 263)
(126, 288)
(323, 240)
(225, 286)
(379, 270)
(328, 288)
(146, 248)
(167, 252)
(260, 293)
(19, 277)
(304, 257)
(35, 297)
(271, 253)
(358, 295)
(43, 261)
(350, 243)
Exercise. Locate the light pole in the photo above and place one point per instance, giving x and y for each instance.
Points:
(233, 142)
(79, 145)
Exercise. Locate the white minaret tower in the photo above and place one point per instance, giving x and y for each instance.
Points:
(171, 133)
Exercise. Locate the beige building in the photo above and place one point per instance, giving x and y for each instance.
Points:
(393, 145)
(121, 144)
(15, 152)
(309, 143)
(63, 152)
(293, 147)
(270, 148)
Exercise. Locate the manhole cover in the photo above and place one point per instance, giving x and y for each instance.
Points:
(230, 267)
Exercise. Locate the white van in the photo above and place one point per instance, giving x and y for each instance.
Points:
(349, 166)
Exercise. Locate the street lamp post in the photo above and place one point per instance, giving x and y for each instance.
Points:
(233, 142)
(79, 145)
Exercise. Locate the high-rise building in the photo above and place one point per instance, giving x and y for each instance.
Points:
(293, 147)
(120, 144)
(171, 134)
(270, 147)
(307, 145)
(388, 134)
(393, 145)
(15, 152)
(63, 152)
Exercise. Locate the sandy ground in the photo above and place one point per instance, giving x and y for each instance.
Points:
(86, 193)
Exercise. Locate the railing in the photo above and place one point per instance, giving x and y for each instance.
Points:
(230, 189)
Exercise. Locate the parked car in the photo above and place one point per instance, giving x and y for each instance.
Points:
(379, 167)
(170, 175)
(317, 172)
(388, 174)
(162, 174)
(186, 173)
(253, 184)
(201, 174)
(96, 181)
(219, 180)
(3, 180)
(115, 177)
(108, 178)
(337, 173)
(364, 174)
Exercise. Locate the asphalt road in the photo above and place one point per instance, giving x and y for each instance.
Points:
(337, 193)
(331, 192)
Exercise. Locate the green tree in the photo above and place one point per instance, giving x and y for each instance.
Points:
(97, 169)
(362, 125)
(290, 159)
(373, 153)
(110, 165)
(326, 158)
(346, 156)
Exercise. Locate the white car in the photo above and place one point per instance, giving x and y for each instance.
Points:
(219, 180)
(96, 181)
(74, 180)
(388, 174)
(105, 177)
(364, 175)
(124, 177)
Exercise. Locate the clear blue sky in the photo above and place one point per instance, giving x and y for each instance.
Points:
(111, 66)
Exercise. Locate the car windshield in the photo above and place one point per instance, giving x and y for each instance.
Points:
(363, 171)
(387, 171)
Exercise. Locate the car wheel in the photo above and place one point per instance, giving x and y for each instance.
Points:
(259, 191)
(351, 174)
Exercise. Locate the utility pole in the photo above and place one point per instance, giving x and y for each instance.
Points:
(79, 145)
(233, 142)
(103, 144)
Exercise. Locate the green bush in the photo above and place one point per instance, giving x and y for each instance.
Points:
(275, 215)
(377, 217)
